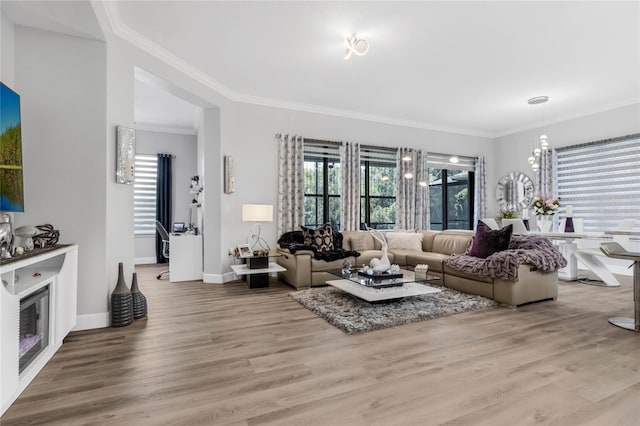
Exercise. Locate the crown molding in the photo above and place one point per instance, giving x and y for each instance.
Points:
(567, 117)
(120, 29)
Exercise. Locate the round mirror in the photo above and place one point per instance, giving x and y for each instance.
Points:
(514, 192)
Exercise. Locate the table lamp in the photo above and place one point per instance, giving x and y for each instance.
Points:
(257, 213)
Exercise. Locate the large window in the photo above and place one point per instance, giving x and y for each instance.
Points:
(378, 188)
(601, 180)
(321, 185)
(144, 194)
(451, 192)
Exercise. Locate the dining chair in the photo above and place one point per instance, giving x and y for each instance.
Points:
(518, 225)
(490, 222)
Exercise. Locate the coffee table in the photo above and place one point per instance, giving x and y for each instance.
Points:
(369, 288)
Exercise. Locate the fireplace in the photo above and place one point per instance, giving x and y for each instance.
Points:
(34, 326)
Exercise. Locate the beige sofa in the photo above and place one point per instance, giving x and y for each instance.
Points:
(303, 271)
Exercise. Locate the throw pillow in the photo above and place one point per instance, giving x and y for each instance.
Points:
(487, 241)
(404, 241)
(358, 244)
(321, 238)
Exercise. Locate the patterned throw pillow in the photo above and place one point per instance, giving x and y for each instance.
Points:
(321, 238)
(487, 241)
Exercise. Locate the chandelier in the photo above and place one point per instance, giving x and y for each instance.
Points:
(542, 144)
(355, 44)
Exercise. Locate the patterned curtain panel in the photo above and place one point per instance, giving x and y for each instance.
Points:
(480, 196)
(350, 167)
(406, 189)
(547, 176)
(290, 183)
(421, 182)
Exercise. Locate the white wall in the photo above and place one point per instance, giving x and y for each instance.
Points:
(512, 151)
(62, 83)
(183, 148)
(7, 35)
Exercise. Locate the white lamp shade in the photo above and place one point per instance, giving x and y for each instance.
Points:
(257, 213)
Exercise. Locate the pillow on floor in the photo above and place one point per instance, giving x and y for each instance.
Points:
(321, 238)
(487, 241)
(404, 241)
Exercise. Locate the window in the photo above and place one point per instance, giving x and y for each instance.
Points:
(601, 181)
(378, 188)
(451, 192)
(321, 184)
(144, 195)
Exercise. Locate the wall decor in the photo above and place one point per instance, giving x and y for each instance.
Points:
(125, 155)
(229, 180)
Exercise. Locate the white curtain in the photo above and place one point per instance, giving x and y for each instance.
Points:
(350, 167)
(290, 183)
(547, 175)
(480, 190)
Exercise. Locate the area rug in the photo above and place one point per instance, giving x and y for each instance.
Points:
(353, 315)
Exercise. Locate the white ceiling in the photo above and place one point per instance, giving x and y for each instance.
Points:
(460, 66)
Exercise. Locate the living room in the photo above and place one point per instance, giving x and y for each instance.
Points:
(76, 79)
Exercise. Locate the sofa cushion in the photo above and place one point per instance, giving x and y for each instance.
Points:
(358, 243)
(487, 241)
(447, 242)
(404, 241)
(321, 238)
(434, 260)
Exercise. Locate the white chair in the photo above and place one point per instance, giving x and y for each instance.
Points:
(590, 257)
(490, 222)
(518, 226)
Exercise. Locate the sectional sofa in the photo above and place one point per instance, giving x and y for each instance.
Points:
(304, 271)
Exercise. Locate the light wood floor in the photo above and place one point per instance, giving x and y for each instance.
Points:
(223, 354)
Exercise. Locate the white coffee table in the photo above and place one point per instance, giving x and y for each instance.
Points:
(357, 286)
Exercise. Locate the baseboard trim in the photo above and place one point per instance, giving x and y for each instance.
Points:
(91, 321)
(144, 260)
(218, 278)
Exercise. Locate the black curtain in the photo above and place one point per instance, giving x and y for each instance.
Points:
(163, 200)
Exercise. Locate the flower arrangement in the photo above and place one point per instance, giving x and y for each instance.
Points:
(508, 214)
(545, 206)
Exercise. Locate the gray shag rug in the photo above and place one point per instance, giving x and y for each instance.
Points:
(353, 315)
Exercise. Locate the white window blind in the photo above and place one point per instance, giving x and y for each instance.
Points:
(314, 149)
(378, 155)
(601, 180)
(144, 194)
(441, 161)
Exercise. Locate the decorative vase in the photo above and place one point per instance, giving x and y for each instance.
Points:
(139, 301)
(568, 225)
(121, 302)
(544, 223)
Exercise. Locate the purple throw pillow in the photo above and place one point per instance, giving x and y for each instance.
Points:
(487, 241)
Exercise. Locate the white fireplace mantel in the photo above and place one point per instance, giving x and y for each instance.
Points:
(57, 268)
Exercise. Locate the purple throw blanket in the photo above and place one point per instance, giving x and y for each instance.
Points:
(523, 249)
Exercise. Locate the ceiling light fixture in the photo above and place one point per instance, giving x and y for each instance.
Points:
(408, 175)
(384, 177)
(355, 44)
(454, 159)
(543, 143)
(422, 183)
(406, 158)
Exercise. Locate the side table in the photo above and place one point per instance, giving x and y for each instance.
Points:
(259, 277)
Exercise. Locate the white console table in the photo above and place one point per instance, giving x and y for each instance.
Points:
(185, 257)
(56, 268)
